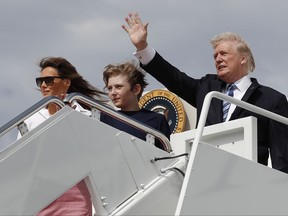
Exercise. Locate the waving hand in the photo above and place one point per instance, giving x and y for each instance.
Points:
(136, 30)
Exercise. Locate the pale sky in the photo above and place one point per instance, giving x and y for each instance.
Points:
(88, 33)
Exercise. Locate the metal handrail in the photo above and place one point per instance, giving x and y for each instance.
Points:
(242, 104)
(109, 111)
(201, 125)
(29, 112)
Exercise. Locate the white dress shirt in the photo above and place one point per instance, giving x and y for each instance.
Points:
(146, 55)
(242, 86)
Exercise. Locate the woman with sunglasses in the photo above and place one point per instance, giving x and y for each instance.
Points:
(59, 78)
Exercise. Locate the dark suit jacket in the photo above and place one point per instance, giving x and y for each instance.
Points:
(272, 136)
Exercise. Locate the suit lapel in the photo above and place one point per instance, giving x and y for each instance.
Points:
(216, 104)
(245, 98)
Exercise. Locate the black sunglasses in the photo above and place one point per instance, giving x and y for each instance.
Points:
(49, 80)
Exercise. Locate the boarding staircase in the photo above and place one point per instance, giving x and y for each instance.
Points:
(208, 171)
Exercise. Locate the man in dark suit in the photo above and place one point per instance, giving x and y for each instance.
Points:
(234, 62)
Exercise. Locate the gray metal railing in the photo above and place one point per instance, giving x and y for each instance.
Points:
(109, 111)
(242, 104)
(201, 125)
(18, 120)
